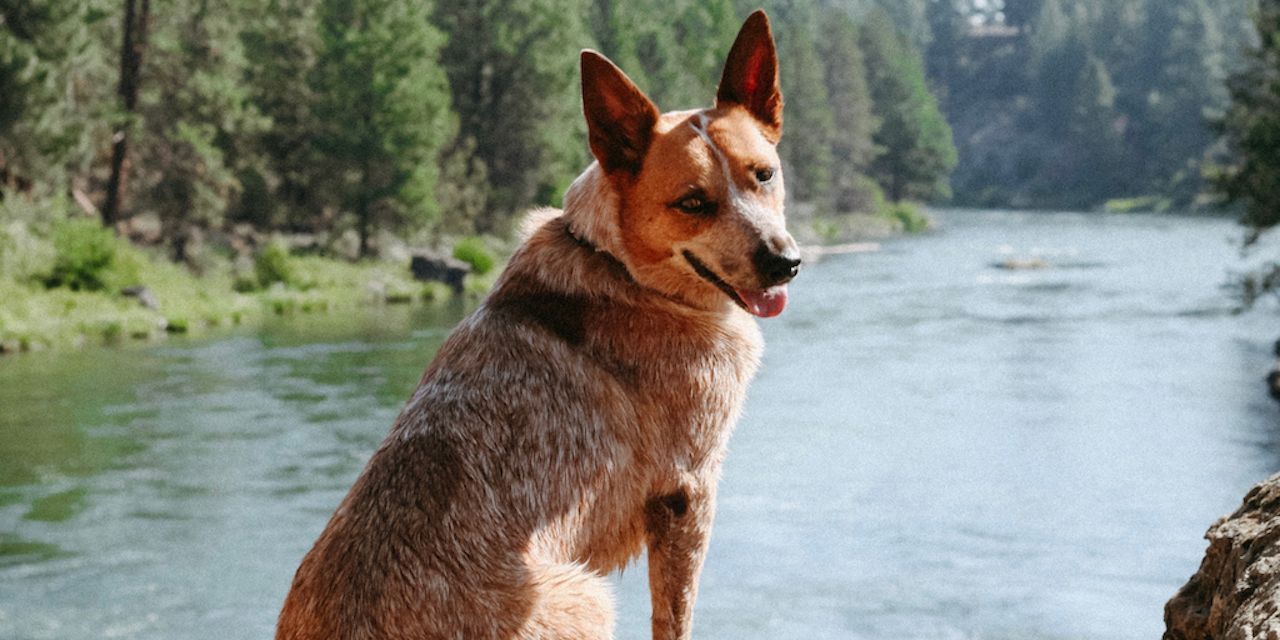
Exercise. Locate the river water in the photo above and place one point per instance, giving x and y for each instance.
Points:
(935, 447)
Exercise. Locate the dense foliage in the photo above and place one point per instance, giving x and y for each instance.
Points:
(355, 119)
(1250, 173)
(1251, 127)
(1072, 103)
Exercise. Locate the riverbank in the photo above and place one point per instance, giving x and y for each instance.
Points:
(812, 227)
(77, 285)
(73, 284)
(32, 319)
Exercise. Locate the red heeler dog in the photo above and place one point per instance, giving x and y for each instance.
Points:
(580, 415)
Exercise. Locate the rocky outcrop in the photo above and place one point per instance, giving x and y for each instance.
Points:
(1236, 593)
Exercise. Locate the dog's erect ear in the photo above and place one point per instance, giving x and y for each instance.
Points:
(751, 75)
(620, 119)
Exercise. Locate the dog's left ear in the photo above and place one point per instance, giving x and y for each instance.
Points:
(620, 118)
(751, 75)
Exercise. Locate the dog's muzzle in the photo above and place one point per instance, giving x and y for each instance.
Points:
(776, 268)
(773, 270)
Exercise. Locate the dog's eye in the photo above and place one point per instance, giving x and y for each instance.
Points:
(695, 205)
(764, 175)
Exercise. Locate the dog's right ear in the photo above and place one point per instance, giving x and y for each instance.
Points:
(751, 75)
(620, 118)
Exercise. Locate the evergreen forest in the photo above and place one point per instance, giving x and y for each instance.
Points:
(427, 120)
(430, 119)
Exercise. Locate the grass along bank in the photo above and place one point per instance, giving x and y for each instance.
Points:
(813, 227)
(71, 283)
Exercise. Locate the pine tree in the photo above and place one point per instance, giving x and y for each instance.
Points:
(845, 75)
(1057, 77)
(947, 26)
(1096, 144)
(918, 151)
(1190, 83)
(195, 115)
(134, 29)
(810, 124)
(513, 76)
(282, 41)
(57, 82)
(911, 19)
(1021, 13)
(382, 111)
(671, 49)
(1251, 128)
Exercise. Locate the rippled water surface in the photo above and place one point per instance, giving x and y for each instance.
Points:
(935, 447)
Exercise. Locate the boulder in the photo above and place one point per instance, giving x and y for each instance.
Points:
(430, 267)
(1236, 593)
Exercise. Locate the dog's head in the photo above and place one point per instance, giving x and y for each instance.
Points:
(691, 202)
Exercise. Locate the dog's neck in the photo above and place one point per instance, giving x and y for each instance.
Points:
(590, 246)
(592, 210)
(581, 242)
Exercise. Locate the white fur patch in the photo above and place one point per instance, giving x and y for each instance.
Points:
(592, 209)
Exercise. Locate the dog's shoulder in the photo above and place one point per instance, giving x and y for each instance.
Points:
(555, 279)
(577, 295)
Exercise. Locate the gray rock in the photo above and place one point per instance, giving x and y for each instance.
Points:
(1236, 593)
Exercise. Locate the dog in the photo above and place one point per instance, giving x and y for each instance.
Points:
(580, 415)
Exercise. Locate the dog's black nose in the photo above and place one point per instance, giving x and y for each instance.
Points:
(777, 268)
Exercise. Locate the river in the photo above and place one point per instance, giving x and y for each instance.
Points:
(934, 448)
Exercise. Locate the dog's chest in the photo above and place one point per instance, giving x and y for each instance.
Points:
(685, 377)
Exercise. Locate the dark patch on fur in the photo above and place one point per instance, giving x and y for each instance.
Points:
(678, 503)
(662, 508)
(559, 314)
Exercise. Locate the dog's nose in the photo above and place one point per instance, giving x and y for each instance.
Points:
(777, 268)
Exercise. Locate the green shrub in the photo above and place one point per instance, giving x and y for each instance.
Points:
(84, 253)
(273, 265)
(436, 292)
(471, 251)
(244, 284)
(909, 215)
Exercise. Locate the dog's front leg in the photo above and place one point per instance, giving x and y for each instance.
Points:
(679, 529)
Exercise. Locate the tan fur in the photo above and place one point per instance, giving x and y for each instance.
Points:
(580, 415)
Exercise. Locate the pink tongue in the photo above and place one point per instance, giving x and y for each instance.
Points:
(765, 303)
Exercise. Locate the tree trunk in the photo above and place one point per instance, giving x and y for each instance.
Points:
(362, 225)
(133, 43)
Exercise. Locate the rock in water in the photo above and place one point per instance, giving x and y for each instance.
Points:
(1236, 593)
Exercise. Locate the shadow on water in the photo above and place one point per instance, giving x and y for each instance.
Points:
(935, 447)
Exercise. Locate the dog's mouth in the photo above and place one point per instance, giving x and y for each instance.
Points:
(764, 303)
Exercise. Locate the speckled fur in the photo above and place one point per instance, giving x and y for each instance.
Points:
(580, 415)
